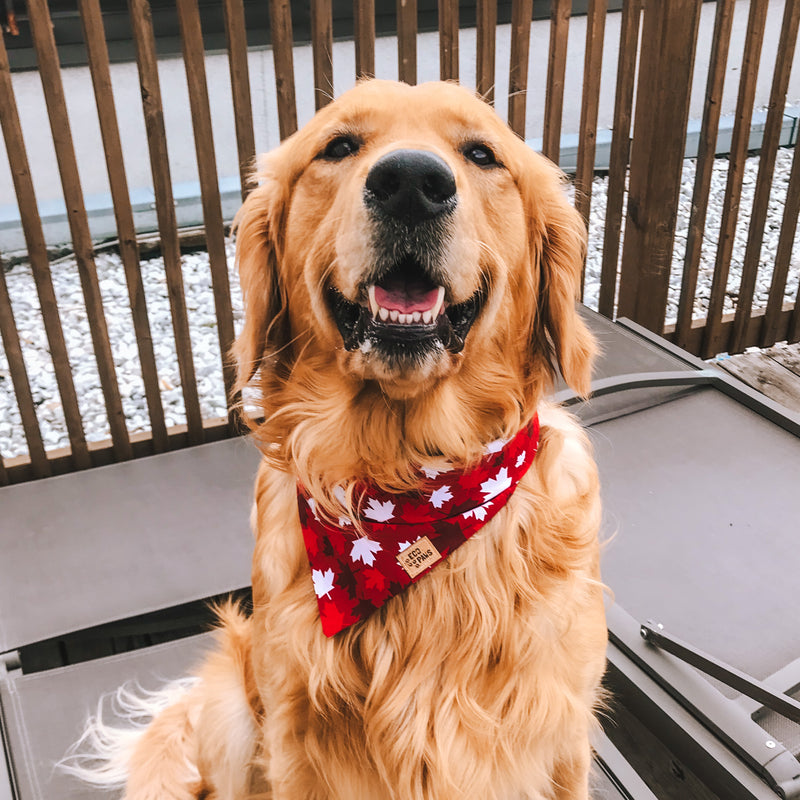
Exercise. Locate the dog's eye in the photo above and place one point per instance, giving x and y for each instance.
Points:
(341, 147)
(480, 154)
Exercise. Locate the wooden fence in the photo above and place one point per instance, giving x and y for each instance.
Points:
(655, 67)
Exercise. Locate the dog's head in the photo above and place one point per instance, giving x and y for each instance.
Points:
(406, 237)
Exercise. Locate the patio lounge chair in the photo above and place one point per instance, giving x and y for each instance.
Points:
(700, 489)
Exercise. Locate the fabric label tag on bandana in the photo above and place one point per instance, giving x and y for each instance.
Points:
(418, 557)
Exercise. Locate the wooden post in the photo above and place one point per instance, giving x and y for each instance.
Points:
(448, 40)
(364, 35)
(669, 39)
(280, 22)
(556, 70)
(620, 153)
(486, 13)
(407, 41)
(322, 49)
(236, 38)
(521, 13)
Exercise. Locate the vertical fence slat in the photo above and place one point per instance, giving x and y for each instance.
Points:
(50, 74)
(236, 40)
(590, 102)
(669, 39)
(97, 51)
(19, 378)
(364, 35)
(448, 40)
(766, 167)
(706, 151)
(733, 193)
(40, 267)
(620, 153)
(144, 39)
(407, 41)
(485, 49)
(794, 323)
(521, 13)
(194, 60)
(783, 255)
(560, 11)
(322, 49)
(280, 20)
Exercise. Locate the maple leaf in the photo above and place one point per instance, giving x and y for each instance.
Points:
(434, 468)
(521, 459)
(323, 582)
(497, 445)
(375, 580)
(364, 550)
(403, 546)
(335, 618)
(312, 504)
(493, 486)
(440, 496)
(479, 512)
(380, 512)
(344, 521)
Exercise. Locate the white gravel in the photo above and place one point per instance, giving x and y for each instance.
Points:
(199, 300)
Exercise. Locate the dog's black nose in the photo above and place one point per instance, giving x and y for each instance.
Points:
(412, 185)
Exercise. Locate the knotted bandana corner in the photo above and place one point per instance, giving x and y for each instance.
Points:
(403, 536)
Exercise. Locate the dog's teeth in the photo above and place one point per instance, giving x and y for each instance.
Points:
(416, 316)
(427, 317)
(404, 318)
(373, 303)
(437, 306)
(393, 315)
(384, 313)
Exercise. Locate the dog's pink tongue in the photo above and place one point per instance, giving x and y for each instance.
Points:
(406, 297)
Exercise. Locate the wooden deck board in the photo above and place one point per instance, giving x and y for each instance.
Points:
(775, 372)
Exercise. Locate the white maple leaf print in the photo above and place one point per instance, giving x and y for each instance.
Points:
(380, 512)
(521, 459)
(403, 546)
(493, 486)
(497, 445)
(434, 468)
(479, 512)
(364, 550)
(440, 496)
(343, 521)
(312, 504)
(323, 582)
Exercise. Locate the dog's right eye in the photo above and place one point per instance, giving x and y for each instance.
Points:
(340, 148)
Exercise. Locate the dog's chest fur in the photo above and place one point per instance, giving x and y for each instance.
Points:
(473, 659)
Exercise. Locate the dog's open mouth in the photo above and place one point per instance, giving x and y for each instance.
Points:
(404, 313)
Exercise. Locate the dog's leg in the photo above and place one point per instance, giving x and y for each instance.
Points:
(571, 777)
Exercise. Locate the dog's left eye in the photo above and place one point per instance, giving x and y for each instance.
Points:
(480, 154)
(340, 148)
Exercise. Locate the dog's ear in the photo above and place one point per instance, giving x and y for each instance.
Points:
(558, 243)
(259, 244)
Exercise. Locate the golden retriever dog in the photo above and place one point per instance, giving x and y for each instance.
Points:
(410, 271)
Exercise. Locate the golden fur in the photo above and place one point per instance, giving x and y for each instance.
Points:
(481, 680)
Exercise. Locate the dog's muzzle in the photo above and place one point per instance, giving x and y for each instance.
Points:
(403, 312)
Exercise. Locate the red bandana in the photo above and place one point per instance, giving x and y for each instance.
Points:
(406, 535)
